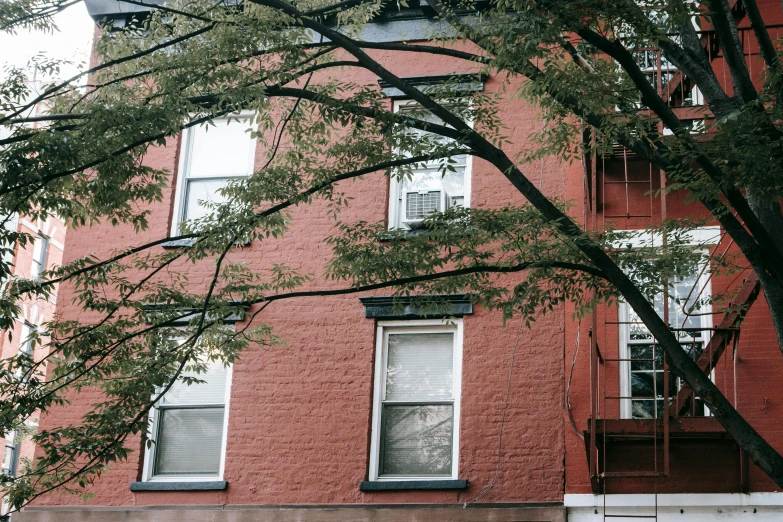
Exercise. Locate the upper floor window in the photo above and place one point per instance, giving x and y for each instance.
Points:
(11, 455)
(188, 428)
(416, 400)
(431, 188)
(212, 155)
(27, 350)
(40, 255)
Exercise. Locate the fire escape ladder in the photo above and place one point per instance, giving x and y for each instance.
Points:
(727, 332)
(605, 428)
(601, 429)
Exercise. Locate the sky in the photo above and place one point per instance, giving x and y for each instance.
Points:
(72, 42)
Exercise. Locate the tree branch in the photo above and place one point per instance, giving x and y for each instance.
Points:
(729, 41)
(404, 281)
(105, 65)
(762, 35)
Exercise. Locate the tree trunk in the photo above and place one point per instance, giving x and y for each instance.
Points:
(772, 219)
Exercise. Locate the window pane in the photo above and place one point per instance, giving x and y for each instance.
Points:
(642, 351)
(684, 296)
(672, 385)
(222, 150)
(420, 367)
(199, 192)
(454, 183)
(642, 384)
(36, 267)
(643, 409)
(189, 441)
(213, 391)
(416, 440)
(417, 113)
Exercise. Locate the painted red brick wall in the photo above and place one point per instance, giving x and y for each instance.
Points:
(299, 416)
(701, 467)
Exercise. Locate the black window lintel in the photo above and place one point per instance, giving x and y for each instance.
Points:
(416, 307)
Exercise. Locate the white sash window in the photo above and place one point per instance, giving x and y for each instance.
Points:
(430, 188)
(417, 391)
(188, 428)
(211, 157)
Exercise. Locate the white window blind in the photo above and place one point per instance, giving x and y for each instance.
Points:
(420, 367)
(417, 420)
(212, 391)
(220, 150)
(189, 441)
(189, 425)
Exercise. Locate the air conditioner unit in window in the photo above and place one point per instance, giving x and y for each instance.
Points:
(418, 205)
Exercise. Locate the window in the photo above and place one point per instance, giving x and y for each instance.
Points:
(26, 349)
(188, 429)
(11, 455)
(428, 190)
(212, 155)
(416, 408)
(641, 376)
(40, 253)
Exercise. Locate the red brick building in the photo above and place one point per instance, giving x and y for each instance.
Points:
(44, 253)
(317, 430)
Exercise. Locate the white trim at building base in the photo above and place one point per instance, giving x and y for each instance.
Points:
(686, 507)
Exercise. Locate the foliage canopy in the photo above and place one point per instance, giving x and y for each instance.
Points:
(191, 61)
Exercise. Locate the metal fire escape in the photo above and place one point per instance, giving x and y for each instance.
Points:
(614, 187)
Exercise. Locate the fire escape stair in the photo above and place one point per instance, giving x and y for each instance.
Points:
(726, 331)
(680, 427)
(710, 46)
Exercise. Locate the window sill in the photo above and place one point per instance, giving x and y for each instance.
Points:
(386, 236)
(406, 234)
(206, 485)
(186, 243)
(405, 485)
(179, 243)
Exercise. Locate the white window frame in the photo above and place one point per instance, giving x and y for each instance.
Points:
(25, 341)
(41, 245)
(384, 328)
(152, 430)
(184, 167)
(395, 185)
(626, 404)
(26, 346)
